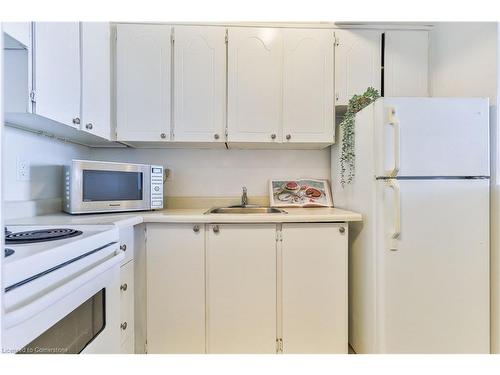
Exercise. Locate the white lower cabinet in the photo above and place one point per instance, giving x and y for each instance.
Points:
(314, 288)
(127, 307)
(247, 288)
(175, 288)
(241, 288)
(127, 291)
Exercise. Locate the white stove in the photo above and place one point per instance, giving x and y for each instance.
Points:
(61, 287)
(30, 259)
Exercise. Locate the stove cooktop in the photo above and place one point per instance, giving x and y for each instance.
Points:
(41, 235)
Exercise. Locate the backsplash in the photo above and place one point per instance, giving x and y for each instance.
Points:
(219, 173)
(193, 172)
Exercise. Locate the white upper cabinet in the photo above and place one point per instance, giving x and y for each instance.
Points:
(357, 63)
(143, 60)
(96, 79)
(56, 74)
(199, 83)
(406, 63)
(20, 31)
(255, 70)
(308, 85)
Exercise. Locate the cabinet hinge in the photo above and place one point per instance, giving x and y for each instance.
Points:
(226, 38)
(336, 40)
(172, 37)
(279, 345)
(279, 235)
(146, 347)
(33, 96)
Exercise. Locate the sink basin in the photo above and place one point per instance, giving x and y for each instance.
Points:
(245, 210)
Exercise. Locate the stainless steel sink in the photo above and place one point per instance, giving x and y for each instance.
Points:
(245, 210)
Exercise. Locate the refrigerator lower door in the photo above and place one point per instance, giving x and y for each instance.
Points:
(432, 137)
(432, 278)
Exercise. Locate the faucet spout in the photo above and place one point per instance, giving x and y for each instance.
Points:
(244, 197)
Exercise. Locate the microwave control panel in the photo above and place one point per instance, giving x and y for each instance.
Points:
(156, 187)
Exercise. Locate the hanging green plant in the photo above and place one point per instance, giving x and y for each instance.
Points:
(347, 155)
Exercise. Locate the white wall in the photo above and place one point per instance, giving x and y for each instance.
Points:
(216, 173)
(46, 157)
(463, 62)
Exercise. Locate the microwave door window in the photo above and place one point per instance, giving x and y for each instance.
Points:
(99, 185)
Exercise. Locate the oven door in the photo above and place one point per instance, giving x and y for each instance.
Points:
(103, 187)
(73, 309)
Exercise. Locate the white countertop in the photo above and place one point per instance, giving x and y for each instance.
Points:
(192, 216)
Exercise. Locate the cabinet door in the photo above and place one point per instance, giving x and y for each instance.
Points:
(20, 31)
(406, 63)
(241, 288)
(96, 79)
(143, 60)
(255, 70)
(199, 83)
(357, 63)
(308, 100)
(127, 303)
(314, 288)
(175, 276)
(57, 71)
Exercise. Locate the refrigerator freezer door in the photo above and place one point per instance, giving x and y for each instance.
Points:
(433, 278)
(432, 137)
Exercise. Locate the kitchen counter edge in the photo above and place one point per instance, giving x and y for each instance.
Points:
(128, 219)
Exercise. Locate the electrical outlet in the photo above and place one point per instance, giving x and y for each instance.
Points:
(23, 170)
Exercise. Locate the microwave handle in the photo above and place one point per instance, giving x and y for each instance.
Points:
(31, 308)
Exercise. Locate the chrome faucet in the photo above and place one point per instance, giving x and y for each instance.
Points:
(244, 197)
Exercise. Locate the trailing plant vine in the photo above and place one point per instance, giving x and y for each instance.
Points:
(347, 156)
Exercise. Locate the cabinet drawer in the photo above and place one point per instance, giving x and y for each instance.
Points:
(127, 301)
(127, 243)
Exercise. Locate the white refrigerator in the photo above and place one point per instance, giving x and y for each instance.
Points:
(419, 261)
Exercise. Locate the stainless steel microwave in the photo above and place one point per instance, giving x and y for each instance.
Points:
(98, 186)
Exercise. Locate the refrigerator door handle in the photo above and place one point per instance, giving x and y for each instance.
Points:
(393, 184)
(392, 120)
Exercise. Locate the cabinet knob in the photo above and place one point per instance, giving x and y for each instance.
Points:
(123, 326)
(216, 229)
(89, 126)
(273, 136)
(76, 121)
(163, 136)
(288, 136)
(123, 287)
(196, 228)
(216, 136)
(123, 247)
(342, 230)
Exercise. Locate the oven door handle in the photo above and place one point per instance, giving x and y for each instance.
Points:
(26, 311)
